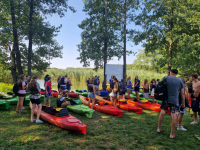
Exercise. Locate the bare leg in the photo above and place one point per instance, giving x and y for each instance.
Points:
(153, 99)
(115, 102)
(137, 95)
(180, 117)
(128, 93)
(21, 100)
(89, 99)
(49, 99)
(160, 120)
(195, 116)
(45, 100)
(38, 113)
(67, 94)
(17, 106)
(93, 101)
(32, 112)
(173, 125)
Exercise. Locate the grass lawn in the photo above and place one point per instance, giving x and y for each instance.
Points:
(132, 131)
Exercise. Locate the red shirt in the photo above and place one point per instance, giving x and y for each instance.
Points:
(48, 86)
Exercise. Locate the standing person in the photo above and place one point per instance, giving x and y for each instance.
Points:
(48, 91)
(122, 87)
(183, 110)
(34, 88)
(195, 101)
(111, 83)
(115, 91)
(146, 89)
(45, 79)
(26, 81)
(153, 86)
(21, 92)
(174, 85)
(63, 83)
(137, 87)
(88, 81)
(96, 81)
(68, 85)
(189, 84)
(91, 93)
(129, 85)
(158, 80)
(58, 81)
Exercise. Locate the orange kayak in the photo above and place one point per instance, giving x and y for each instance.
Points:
(127, 107)
(108, 109)
(148, 106)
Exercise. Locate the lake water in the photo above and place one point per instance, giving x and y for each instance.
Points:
(75, 85)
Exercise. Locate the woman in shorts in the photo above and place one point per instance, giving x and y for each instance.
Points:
(34, 88)
(146, 89)
(115, 91)
(153, 86)
(48, 91)
(21, 92)
(58, 81)
(122, 88)
(91, 93)
(137, 87)
(129, 85)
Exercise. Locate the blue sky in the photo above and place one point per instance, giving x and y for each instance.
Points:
(69, 37)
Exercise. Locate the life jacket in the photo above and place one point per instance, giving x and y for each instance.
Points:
(95, 82)
(62, 81)
(19, 83)
(33, 90)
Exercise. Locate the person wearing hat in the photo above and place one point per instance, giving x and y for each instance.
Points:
(174, 85)
(48, 91)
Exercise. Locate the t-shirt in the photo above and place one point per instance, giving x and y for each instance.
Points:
(62, 99)
(48, 86)
(122, 86)
(87, 81)
(138, 83)
(35, 96)
(129, 82)
(174, 85)
(22, 91)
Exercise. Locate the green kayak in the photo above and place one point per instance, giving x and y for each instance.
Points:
(150, 99)
(4, 105)
(80, 109)
(14, 101)
(81, 92)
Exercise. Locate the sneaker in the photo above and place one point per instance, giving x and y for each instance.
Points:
(182, 129)
(23, 108)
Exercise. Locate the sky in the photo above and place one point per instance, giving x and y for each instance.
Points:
(70, 36)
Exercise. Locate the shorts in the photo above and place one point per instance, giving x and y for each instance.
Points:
(173, 108)
(115, 94)
(195, 105)
(137, 89)
(183, 111)
(146, 95)
(69, 88)
(58, 85)
(91, 95)
(63, 87)
(59, 104)
(96, 86)
(21, 95)
(152, 92)
(128, 89)
(36, 101)
(121, 92)
(48, 95)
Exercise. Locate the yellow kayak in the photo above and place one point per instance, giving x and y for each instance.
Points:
(4, 95)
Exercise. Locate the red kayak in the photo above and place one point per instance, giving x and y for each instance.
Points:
(108, 109)
(66, 122)
(148, 106)
(42, 92)
(73, 94)
(125, 106)
(54, 93)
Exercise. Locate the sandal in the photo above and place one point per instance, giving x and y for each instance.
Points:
(159, 131)
(182, 129)
(194, 123)
(34, 120)
(40, 121)
(174, 136)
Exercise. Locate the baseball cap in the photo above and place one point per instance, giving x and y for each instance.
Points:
(175, 71)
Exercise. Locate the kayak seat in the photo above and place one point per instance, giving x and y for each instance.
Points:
(49, 110)
(63, 112)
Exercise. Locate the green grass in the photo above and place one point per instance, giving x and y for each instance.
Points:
(132, 131)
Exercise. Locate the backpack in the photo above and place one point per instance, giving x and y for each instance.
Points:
(15, 88)
(161, 90)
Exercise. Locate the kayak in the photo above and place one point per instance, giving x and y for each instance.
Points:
(108, 109)
(42, 97)
(81, 109)
(4, 95)
(81, 92)
(13, 101)
(54, 93)
(104, 93)
(125, 106)
(4, 105)
(148, 106)
(73, 94)
(66, 122)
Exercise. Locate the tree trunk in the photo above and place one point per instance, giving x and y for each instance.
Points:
(105, 47)
(15, 35)
(170, 43)
(13, 65)
(30, 37)
(124, 55)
